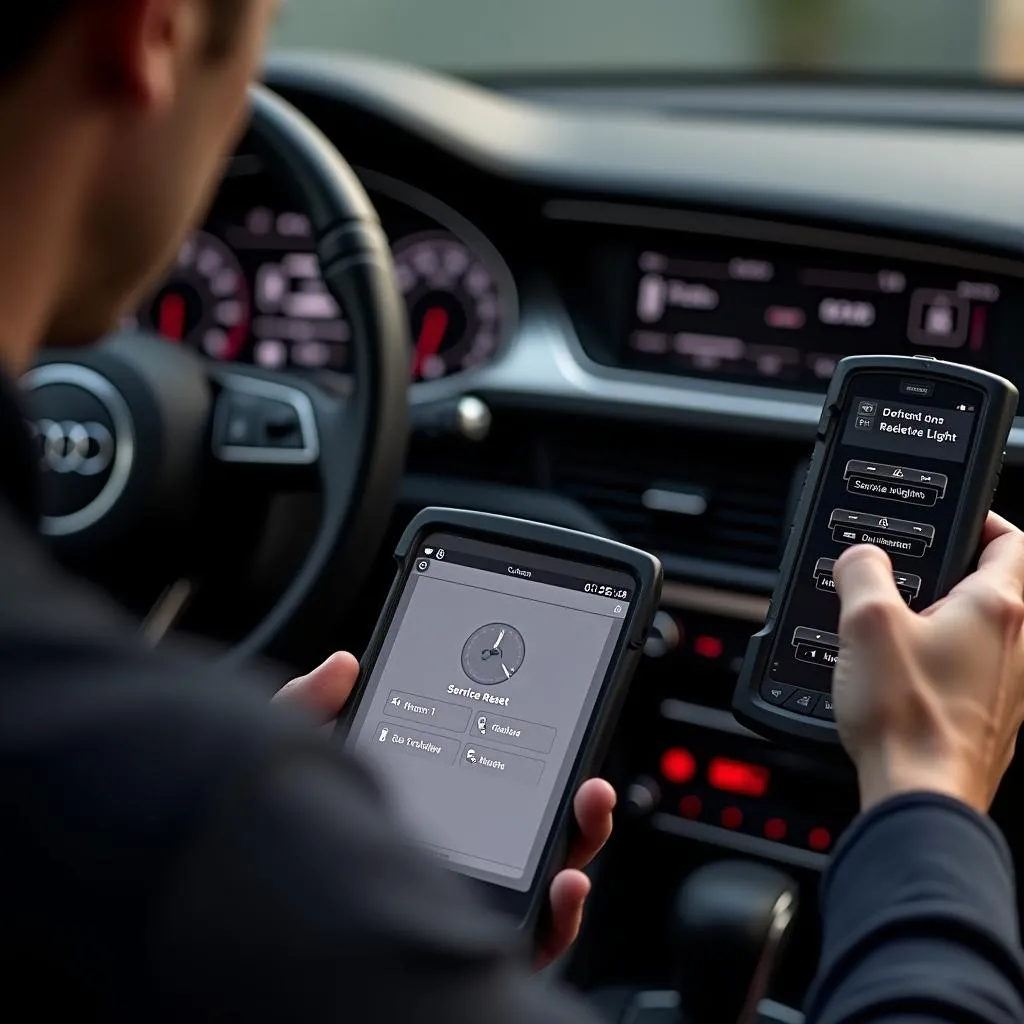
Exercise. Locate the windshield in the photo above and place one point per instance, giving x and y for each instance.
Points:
(908, 38)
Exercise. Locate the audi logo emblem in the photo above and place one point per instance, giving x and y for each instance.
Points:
(83, 449)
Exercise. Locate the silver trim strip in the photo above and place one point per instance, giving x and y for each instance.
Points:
(546, 361)
(95, 384)
(684, 596)
(298, 400)
(752, 846)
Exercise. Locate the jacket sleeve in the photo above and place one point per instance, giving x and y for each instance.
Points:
(920, 920)
(300, 901)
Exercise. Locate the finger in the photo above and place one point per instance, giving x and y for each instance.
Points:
(1000, 567)
(1000, 572)
(863, 576)
(1002, 559)
(326, 689)
(594, 806)
(995, 526)
(568, 895)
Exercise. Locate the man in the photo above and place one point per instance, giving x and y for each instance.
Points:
(175, 851)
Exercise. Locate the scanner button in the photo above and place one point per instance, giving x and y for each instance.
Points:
(803, 702)
(824, 708)
(776, 693)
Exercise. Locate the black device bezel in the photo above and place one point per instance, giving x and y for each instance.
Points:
(981, 478)
(526, 908)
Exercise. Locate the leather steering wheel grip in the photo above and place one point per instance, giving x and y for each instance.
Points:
(363, 438)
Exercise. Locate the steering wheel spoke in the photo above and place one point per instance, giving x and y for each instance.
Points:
(263, 421)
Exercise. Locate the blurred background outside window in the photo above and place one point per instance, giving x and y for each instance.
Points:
(928, 39)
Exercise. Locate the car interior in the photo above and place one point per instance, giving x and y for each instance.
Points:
(609, 300)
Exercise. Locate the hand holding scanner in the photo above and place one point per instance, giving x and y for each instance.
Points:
(907, 458)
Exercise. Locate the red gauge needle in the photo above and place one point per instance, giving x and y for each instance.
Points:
(432, 332)
(172, 316)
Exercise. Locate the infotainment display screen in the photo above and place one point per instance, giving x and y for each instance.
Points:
(785, 316)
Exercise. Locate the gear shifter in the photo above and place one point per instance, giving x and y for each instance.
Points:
(728, 927)
(730, 920)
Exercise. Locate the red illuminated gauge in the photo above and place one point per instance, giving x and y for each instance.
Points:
(205, 302)
(455, 304)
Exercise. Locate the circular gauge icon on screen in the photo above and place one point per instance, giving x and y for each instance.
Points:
(493, 654)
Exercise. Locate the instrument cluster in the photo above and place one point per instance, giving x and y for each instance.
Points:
(247, 287)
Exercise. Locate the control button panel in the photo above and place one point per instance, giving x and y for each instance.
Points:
(736, 788)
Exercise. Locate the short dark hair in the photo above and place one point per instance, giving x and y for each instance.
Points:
(28, 32)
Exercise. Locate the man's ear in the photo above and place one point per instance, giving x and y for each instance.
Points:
(144, 46)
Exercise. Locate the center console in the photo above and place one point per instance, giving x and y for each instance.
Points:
(703, 777)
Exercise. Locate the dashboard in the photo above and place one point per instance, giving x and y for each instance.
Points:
(650, 304)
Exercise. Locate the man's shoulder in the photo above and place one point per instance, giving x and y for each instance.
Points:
(127, 741)
(83, 694)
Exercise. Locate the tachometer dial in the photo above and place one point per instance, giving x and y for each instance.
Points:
(454, 301)
(205, 302)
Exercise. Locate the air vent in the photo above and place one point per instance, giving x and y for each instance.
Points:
(711, 498)
(507, 456)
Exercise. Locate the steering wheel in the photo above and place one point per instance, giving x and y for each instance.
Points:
(132, 432)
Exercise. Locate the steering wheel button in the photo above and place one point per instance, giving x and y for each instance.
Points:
(241, 425)
(252, 421)
(281, 427)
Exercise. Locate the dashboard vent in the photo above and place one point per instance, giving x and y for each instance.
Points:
(712, 498)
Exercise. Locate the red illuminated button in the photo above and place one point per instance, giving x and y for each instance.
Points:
(690, 807)
(738, 777)
(708, 647)
(819, 839)
(732, 817)
(678, 765)
(775, 830)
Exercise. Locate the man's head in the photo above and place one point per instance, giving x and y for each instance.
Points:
(117, 117)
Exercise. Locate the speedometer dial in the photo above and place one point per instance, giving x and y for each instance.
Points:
(205, 302)
(454, 303)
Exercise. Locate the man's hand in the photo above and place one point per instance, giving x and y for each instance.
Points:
(932, 701)
(326, 690)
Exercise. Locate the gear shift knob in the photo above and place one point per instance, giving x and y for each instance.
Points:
(730, 920)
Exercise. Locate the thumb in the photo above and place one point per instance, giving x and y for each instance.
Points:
(326, 689)
(866, 588)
